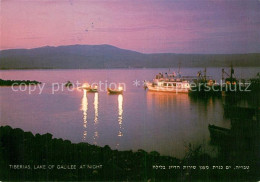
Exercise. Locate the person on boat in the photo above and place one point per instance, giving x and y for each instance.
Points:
(179, 75)
(166, 75)
(159, 76)
(199, 74)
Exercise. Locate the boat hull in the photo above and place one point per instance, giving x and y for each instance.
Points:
(89, 89)
(111, 91)
(218, 133)
(93, 90)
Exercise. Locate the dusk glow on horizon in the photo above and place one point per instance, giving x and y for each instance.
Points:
(149, 26)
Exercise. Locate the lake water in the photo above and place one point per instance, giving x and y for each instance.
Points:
(138, 119)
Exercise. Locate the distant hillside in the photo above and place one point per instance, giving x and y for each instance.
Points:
(107, 56)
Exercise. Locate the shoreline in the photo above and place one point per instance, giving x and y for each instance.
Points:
(18, 82)
(25, 156)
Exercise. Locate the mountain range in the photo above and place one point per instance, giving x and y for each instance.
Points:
(107, 56)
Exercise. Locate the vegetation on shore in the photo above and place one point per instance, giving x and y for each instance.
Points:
(18, 82)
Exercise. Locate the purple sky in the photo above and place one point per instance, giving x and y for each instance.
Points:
(149, 26)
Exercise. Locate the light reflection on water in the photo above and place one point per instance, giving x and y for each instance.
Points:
(120, 119)
(120, 114)
(95, 137)
(84, 109)
(136, 120)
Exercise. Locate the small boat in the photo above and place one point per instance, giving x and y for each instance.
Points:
(68, 84)
(85, 86)
(218, 132)
(93, 89)
(115, 91)
(89, 88)
(240, 112)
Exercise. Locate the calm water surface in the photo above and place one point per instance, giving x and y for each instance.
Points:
(138, 119)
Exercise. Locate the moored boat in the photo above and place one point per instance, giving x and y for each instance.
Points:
(89, 88)
(232, 86)
(169, 83)
(115, 91)
(68, 84)
(218, 132)
(93, 88)
(85, 86)
(204, 85)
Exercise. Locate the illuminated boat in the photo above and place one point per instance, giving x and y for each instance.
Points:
(203, 85)
(115, 91)
(170, 83)
(233, 87)
(90, 88)
(93, 88)
(85, 86)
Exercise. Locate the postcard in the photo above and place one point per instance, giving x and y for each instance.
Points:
(129, 90)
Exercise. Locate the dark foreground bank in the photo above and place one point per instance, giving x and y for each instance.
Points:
(24, 156)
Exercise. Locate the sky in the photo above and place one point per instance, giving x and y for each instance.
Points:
(148, 26)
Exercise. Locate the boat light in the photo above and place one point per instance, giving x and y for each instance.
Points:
(85, 85)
